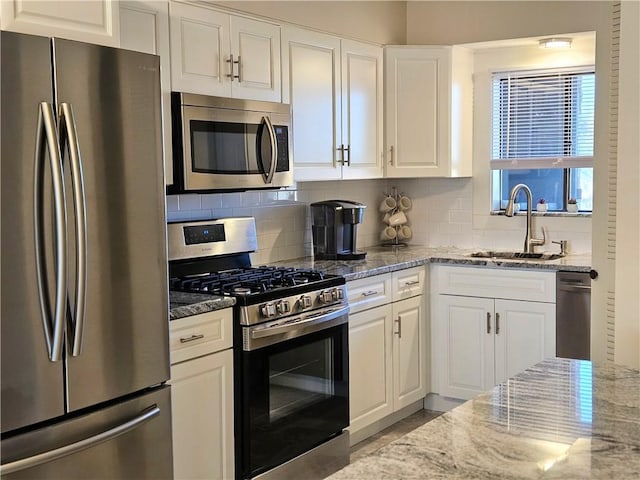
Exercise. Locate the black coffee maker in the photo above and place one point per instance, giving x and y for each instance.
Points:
(335, 224)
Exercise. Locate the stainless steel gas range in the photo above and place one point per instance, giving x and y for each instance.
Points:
(291, 380)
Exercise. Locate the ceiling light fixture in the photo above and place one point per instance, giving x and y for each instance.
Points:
(555, 43)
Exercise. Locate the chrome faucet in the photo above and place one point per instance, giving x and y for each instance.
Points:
(529, 241)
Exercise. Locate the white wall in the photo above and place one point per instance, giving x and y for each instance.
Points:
(382, 22)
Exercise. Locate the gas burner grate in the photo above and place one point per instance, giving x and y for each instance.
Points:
(247, 281)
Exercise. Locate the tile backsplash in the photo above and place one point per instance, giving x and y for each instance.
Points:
(441, 215)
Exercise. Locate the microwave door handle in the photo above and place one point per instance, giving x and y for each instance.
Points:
(69, 136)
(47, 137)
(268, 178)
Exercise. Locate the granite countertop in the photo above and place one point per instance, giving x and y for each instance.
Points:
(186, 304)
(560, 419)
(379, 260)
(388, 259)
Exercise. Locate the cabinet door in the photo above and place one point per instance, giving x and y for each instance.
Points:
(370, 372)
(415, 82)
(202, 417)
(410, 352)
(144, 27)
(256, 47)
(525, 334)
(200, 50)
(92, 22)
(362, 110)
(463, 345)
(311, 83)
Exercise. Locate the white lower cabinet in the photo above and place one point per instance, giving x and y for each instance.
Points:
(478, 341)
(202, 396)
(387, 349)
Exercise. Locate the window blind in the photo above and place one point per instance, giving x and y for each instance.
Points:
(543, 119)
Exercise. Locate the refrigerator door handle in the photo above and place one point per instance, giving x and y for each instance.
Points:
(44, 457)
(69, 137)
(47, 137)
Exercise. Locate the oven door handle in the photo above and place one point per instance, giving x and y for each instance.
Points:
(279, 331)
(301, 322)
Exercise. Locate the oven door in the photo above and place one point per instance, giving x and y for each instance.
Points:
(234, 149)
(294, 392)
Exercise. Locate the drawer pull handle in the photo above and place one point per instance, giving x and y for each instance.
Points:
(191, 338)
(411, 282)
(369, 293)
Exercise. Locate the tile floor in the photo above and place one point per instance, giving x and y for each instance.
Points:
(391, 433)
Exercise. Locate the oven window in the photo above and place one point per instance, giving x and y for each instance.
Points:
(294, 395)
(300, 378)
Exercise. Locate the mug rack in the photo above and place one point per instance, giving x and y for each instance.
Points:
(393, 209)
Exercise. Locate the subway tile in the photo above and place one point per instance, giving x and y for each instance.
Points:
(172, 203)
(250, 199)
(231, 200)
(189, 202)
(212, 200)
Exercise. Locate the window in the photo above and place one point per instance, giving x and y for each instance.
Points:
(542, 129)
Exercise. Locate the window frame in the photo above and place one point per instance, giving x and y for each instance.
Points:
(567, 162)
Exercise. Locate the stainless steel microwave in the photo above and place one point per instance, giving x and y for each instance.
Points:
(229, 144)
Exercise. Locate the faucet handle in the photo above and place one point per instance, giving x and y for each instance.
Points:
(563, 245)
(539, 241)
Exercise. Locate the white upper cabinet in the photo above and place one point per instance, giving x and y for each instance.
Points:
(362, 74)
(94, 22)
(429, 97)
(144, 27)
(214, 53)
(335, 90)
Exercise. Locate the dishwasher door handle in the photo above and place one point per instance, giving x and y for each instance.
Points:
(574, 288)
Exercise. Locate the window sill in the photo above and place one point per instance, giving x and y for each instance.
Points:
(500, 213)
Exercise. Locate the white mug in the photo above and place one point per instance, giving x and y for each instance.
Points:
(404, 203)
(404, 232)
(398, 218)
(388, 204)
(388, 233)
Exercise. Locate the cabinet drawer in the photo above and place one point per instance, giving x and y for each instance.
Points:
(407, 283)
(513, 284)
(369, 292)
(199, 335)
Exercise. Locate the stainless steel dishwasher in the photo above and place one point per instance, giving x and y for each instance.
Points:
(573, 315)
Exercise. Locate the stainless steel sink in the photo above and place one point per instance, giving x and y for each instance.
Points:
(516, 255)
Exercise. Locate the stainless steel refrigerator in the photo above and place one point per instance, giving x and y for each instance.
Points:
(84, 326)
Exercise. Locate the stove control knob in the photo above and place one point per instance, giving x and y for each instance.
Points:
(305, 301)
(268, 310)
(338, 294)
(325, 296)
(283, 306)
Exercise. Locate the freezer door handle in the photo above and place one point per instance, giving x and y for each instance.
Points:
(69, 138)
(47, 139)
(39, 459)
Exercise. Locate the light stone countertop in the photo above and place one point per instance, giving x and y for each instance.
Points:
(560, 419)
(381, 260)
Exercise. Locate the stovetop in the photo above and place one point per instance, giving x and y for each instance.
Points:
(250, 285)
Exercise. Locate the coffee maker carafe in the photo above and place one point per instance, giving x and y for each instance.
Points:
(335, 225)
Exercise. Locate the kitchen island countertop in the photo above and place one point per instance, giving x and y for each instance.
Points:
(560, 419)
(381, 260)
